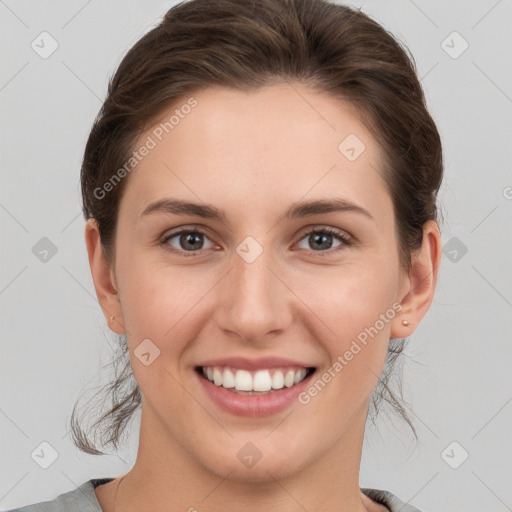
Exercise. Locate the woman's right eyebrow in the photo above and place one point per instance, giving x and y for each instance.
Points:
(180, 207)
(297, 210)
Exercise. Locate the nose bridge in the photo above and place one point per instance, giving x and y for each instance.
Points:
(255, 299)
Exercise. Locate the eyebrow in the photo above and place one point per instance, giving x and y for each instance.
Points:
(296, 211)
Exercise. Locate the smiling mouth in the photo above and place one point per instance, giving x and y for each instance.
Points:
(258, 382)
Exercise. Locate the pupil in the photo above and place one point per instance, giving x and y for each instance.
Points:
(321, 238)
(189, 239)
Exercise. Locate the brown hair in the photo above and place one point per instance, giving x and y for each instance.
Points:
(246, 45)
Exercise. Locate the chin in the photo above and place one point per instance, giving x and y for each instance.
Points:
(259, 473)
(261, 468)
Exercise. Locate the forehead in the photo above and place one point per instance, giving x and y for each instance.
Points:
(247, 150)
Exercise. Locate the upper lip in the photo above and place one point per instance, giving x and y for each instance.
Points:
(261, 363)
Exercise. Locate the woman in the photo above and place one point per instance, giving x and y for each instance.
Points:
(260, 194)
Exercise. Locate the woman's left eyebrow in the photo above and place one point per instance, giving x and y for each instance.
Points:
(331, 205)
(297, 210)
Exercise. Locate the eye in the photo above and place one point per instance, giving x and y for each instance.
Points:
(321, 239)
(189, 241)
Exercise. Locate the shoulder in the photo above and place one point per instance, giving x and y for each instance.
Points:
(81, 499)
(389, 500)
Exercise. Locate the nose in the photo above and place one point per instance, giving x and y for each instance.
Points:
(254, 303)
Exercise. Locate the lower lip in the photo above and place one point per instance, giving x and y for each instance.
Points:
(253, 405)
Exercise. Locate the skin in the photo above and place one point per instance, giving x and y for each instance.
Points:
(253, 154)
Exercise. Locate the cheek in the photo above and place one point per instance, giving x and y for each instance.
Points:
(155, 296)
(169, 305)
(353, 309)
(351, 298)
(358, 310)
(161, 305)
(155, 301)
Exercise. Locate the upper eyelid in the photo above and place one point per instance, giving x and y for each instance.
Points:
(185, 229)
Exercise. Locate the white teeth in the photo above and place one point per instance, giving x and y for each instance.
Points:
(289, 379)
(262, 381)
(228, 379)
(259, 381)
(277, 380)
(299, 376)
(243, 381)
(217, 377)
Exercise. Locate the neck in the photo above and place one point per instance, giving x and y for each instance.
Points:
(166, 476)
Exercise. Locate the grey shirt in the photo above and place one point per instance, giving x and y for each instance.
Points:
(83, 499)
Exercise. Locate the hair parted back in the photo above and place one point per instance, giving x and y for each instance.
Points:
(246, 45)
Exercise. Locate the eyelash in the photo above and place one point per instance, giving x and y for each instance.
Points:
(345, 239)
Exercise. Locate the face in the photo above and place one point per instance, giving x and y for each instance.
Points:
(267, 287)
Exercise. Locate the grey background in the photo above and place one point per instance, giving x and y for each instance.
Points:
(54, 337)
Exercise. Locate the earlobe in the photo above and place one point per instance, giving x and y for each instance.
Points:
(422, 283)
(103, 278)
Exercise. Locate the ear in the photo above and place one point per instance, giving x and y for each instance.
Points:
(104, 278)
(420, 283)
